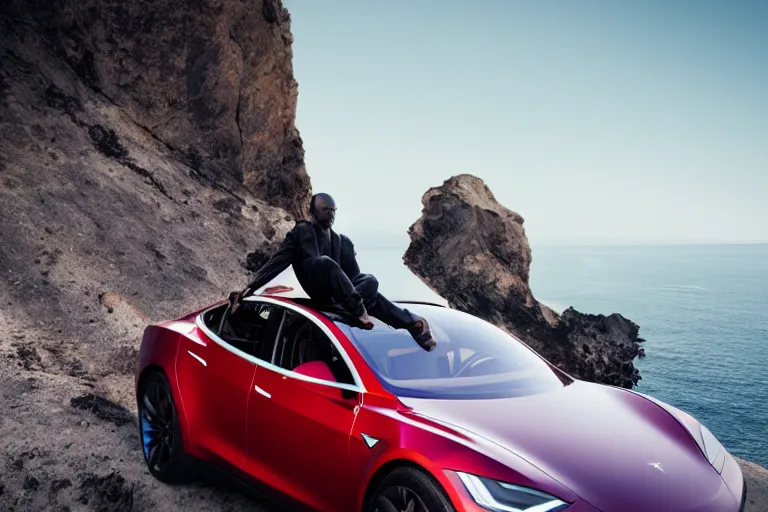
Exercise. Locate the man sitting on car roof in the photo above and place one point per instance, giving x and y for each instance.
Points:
(326, 267)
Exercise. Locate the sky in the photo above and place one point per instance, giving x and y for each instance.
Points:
(599, 122)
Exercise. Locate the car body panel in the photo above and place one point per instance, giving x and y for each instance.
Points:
(157, 350)
(298, 437)
(614, 449)
(733, 477)
(322, 443)
(215, 384)
(406, 436)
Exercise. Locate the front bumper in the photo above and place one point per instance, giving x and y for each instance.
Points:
(732, 475)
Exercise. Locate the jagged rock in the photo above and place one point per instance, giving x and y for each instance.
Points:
(212, 80)
(474, 252)
(122, 156)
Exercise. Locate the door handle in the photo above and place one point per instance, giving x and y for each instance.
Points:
(197, 357)
(262, 392)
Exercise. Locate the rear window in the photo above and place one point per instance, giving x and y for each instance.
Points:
(472, 359)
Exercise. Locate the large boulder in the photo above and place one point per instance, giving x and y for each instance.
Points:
(474, 252)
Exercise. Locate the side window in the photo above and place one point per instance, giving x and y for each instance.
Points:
(252, 329)
(302, 341)
(212, 317)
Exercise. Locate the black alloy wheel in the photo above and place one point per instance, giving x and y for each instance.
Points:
(408, 489)
(159, 429)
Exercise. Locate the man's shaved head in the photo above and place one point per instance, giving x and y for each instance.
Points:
(323, 209)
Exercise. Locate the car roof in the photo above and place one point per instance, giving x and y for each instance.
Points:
(286, 285)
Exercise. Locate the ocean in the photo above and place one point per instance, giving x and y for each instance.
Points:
(702, 309)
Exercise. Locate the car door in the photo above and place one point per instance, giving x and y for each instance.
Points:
(215, 375)
(299, 427)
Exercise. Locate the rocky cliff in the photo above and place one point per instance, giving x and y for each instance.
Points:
(146, 147)
(473, 252)
(211, 81)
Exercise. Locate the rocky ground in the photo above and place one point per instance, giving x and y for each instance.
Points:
(69, 439)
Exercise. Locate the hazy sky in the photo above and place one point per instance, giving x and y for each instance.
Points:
(598, 122)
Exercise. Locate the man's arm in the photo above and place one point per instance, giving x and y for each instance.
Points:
(276, 264)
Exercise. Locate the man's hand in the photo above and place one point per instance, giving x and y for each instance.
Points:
(235, 298)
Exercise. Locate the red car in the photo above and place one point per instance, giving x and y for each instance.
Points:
(292, 398)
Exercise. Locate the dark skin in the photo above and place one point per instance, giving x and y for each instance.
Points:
(324, 211)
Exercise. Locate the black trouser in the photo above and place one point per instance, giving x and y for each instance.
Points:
(325, 282)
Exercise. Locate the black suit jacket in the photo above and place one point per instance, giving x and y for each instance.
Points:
(302, 242)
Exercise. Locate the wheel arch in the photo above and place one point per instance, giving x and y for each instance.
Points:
(153, 368)
(145, 372)
(385, 469)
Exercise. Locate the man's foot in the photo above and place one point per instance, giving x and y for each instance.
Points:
(421, 334)
(357, 309)
(366, 320)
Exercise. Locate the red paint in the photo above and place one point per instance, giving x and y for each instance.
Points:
(587, 444)
(215, 397)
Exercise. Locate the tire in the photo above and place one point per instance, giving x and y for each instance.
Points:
(405, 486)
(159, 431)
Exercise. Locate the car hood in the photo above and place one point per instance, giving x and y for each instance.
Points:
(613, 448)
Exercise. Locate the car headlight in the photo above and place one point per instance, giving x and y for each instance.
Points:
(504, 497)
(712, 449)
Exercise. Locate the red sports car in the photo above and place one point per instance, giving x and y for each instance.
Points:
(293, 398)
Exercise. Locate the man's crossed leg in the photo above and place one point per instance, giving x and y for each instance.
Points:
(323, 279)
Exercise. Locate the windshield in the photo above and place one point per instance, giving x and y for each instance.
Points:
(472, 359)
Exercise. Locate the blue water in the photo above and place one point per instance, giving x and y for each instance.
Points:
(703, 311)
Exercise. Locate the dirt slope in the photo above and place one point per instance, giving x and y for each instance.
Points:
(145, 150)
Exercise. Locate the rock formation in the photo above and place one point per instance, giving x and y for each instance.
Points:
(209, 80)
(146, 148)
(473, 252)
(140, 142)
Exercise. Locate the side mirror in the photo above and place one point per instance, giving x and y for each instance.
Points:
(349, 395)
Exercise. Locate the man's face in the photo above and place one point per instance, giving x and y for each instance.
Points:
(325, 211)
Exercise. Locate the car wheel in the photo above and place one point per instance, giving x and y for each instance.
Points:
(160, 433)
(408, 489)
